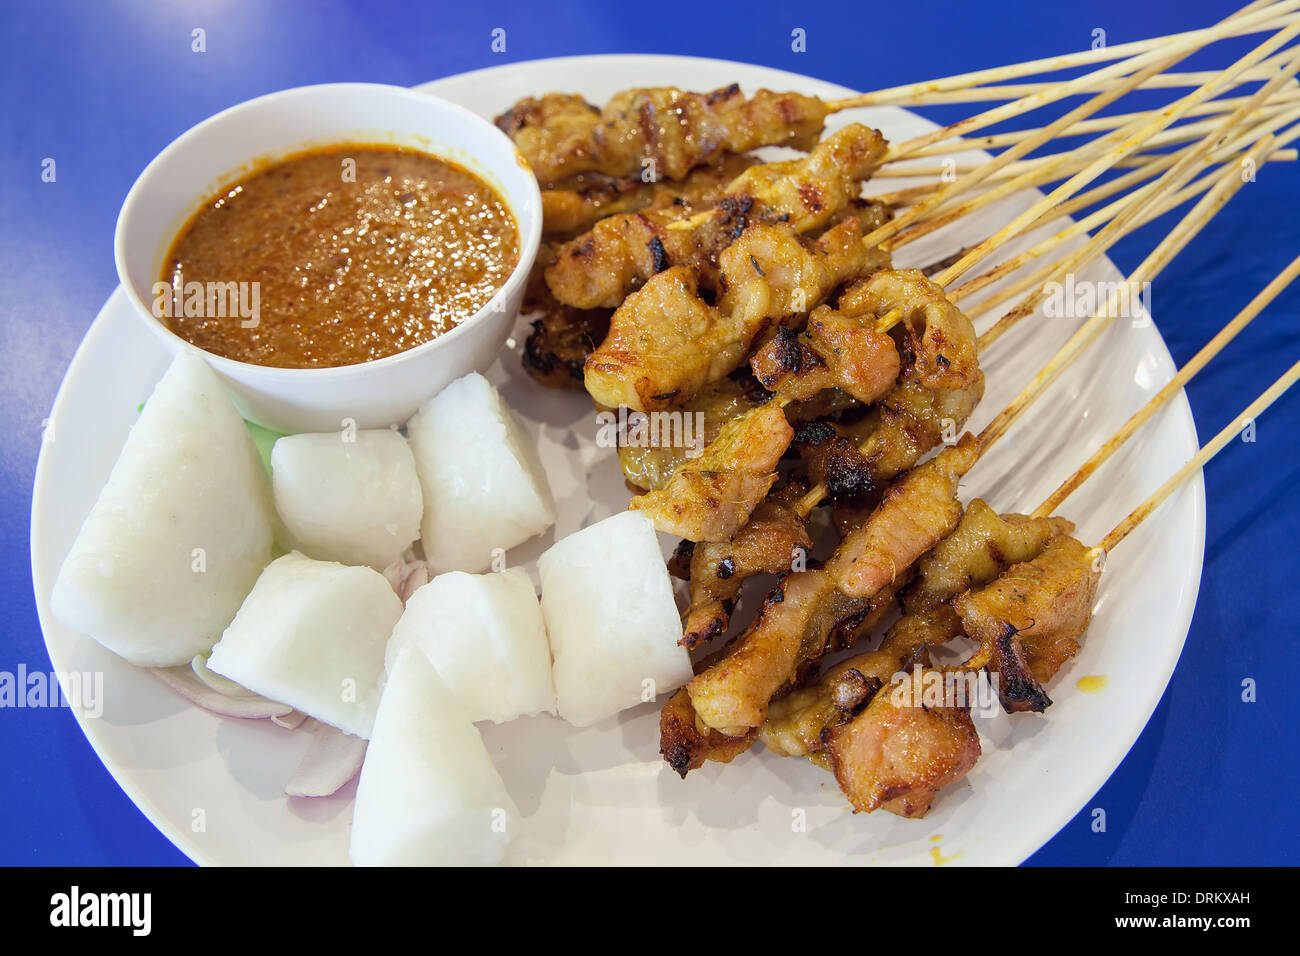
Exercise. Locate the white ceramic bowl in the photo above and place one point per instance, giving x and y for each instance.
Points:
(226, 147)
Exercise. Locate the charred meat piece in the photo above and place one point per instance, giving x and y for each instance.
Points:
(917, 511)
(797, 724)
(664, 129)
(856, 459)
(620, 253)
(685, 744)
(833, 351)
(558, 346)
(800, 619)
(898, 756)
(939, 334)
(1030, 620)
(710, 497)
(648, 460)
(666, 342)
(771, 542)
(574, 206)
(984, 544)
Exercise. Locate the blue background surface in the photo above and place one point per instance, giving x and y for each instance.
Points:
(102, 86)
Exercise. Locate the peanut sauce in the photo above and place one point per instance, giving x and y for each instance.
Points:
(358, 252)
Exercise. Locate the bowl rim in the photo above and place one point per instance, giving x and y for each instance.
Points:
(530, 241)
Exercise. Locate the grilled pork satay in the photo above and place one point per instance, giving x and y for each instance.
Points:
(940, 336)
(916, 512)
(710, 497)
(666, 129)
(833, 351)
(563, 336)
(983, 546)
(1030, 620)
(796, 724)
(666, 342)
(895, 433)
(912, 420)
(620, 253)
(769, 543)
(685, 744)
(869, 566)
(561, 339)
(573, 207)
(843, 347)
(897, 757)
(803, 618)
(649, 465)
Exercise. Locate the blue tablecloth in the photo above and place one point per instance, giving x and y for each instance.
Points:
(101, 86)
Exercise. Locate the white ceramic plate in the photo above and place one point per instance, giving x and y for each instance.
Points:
(602, 795)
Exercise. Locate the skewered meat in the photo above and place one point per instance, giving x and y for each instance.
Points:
(649, 466)
(710, 497)
(855, 460)
(620, 253)
(561, 340)
(803, 617)
(685, 744)
(663, 128)
(1030, 620)
(983, 546)
(574, 206)
(769, 543)
(796, 724)
(916, 512)
(832, 351)
(898, 757)
(666, 343)
(939, 334)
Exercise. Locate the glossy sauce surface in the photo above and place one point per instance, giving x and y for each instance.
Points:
(359, 252)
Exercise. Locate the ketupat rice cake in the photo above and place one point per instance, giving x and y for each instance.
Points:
(180, 531)
(484, 486)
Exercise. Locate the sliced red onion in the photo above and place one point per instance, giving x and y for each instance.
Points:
(184, 682)
(394, 574)
(290, 721)
(219, 683)
(405, 577)
(417, 579)
(332, 759)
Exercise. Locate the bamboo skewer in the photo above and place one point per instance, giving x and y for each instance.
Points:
(1175, 385)
(1124, 212)
(1069, 159)
(993, 94)
(973, 178)
(1264, 18)
(909, 92)
(1226, 155)
(1130, 142)
(1142, 166)
(1208, 451)
(1173, 243)
(1149, 168)
(1095, 125)
(1097, 245)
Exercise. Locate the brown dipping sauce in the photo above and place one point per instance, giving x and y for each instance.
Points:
(347, 271)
